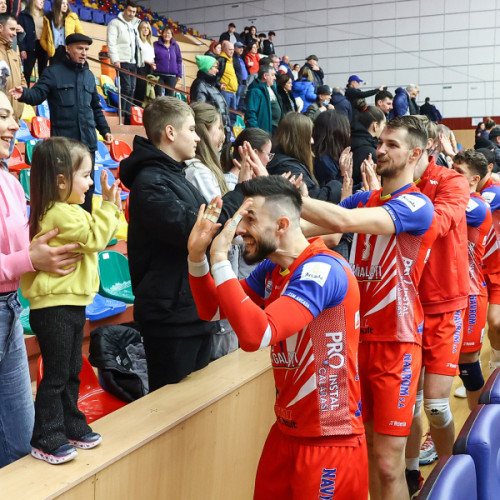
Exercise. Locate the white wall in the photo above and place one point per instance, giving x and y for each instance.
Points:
(449, 47)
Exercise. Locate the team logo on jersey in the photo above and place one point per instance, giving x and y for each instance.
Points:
(328, 390)
(472, 205)
(327, 486)
(367, 249)
(336, 357)
(412, 201)
(268, 289)
(285, 359)
(489, 196)
(316, 271)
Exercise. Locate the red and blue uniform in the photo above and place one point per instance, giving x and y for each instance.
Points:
(388, 269)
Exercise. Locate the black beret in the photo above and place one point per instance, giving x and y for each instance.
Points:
(78, 38)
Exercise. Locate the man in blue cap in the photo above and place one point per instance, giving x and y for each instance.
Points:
(353, 93)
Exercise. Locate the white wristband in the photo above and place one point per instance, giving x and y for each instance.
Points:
(198, 269)
(222, 272)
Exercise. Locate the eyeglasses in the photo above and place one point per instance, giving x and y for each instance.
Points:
(270, 156)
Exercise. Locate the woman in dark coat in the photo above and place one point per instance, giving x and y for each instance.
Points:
(284, 83)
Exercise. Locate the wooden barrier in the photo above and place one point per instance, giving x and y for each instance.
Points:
(199, 439)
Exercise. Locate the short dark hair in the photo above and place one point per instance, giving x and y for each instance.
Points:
(383, 94)
(5, 17)
(271, 33)
(274, 188)
(262, 35)
(132, 4)
(416, 128)
(231, 25)
(475, 160)
(427, 99)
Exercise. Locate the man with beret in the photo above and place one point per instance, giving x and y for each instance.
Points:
(69, 87)
(312, 64)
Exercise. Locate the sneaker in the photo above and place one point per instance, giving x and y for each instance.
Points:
(460, 392)
(428, 453)
(64, 453)
(414, 480)
(88, 441)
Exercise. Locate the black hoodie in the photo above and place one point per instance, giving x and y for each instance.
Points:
(362, 144)
(163, 209)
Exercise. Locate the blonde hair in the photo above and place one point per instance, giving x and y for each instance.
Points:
(147, 38)
(205, 116)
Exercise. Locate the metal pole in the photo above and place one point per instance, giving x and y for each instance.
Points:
(119, 100)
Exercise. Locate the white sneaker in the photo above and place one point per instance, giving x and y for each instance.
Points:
(428, 453)
(460, 392)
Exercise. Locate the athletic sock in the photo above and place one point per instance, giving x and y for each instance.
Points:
(411, 463)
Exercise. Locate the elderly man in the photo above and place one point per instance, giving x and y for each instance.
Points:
(69, 81)
(227, 75)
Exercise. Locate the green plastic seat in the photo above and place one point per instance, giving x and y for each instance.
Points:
(240, 122)
(30, 146)
(24, 179)
(115, 277)
(24, 318)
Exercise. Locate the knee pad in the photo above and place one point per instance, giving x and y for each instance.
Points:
(438, 412)
(418, 403)
(471, 375)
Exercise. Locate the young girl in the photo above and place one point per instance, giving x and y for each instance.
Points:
(60, 177)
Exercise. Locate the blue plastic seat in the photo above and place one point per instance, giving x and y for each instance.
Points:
(114, 277)
(23, 134)
(85, 14)
(111, 179)
(103, 307)
(108, 17)
(105, 106)
(453, 478)
(43, 110)
(491, 390)
(102, 156)
(98, 16)
(480, 438)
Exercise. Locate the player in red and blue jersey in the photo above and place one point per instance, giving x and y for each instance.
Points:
(395, 232)
(490, 191)
(311, 321)
(474, 167)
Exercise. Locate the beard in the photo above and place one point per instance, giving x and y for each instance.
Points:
(263, 249)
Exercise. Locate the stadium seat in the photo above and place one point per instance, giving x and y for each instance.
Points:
(23, 134)
(111, 180)
(98, 16)
(43, 110)
(85, 14)
(103, 307)
(108, 17)
(16, 161)
(480, 438)
(453, 478)
(28, 113)
(40, 127)
(102, 156)
(136, 115)
(491, 390)
(93, 400)
(24, 179)
(105, 106)
(120, 150)
(29, 147)
(114, 275)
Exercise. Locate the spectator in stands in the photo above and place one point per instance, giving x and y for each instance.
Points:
(263, 106)
(214, 49)
(13, 8)
(312, 64)
(269, 44)
(204, 89)
(352, 91)
(122, 46)
(401, 103)
(480, 128)
(331, 135)
(252, 61)
(430, 111)
(365, 131)
(227, 77)
(293, 153)
(145, 45)
(383, 101)
(322, 102)
(483, 139)
(304, 89)
(31, 19)
(243, 35)
(17, 257)
(284, 67)
(414, 108)
(295, 71)
(59, 23)
(240, 68)
(69, 87)
(230, 35)
(260, 142)
(168, 60)
(341, 103)
(163, 210)
(494, 138)
(262, 38)
(285, 84)
(251, 36)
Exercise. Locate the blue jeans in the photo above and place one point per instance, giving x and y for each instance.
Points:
(17, 411)
(230, 98)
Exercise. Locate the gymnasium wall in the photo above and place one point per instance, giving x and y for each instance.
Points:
(445, 46)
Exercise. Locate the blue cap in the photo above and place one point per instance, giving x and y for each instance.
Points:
(354, 78)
